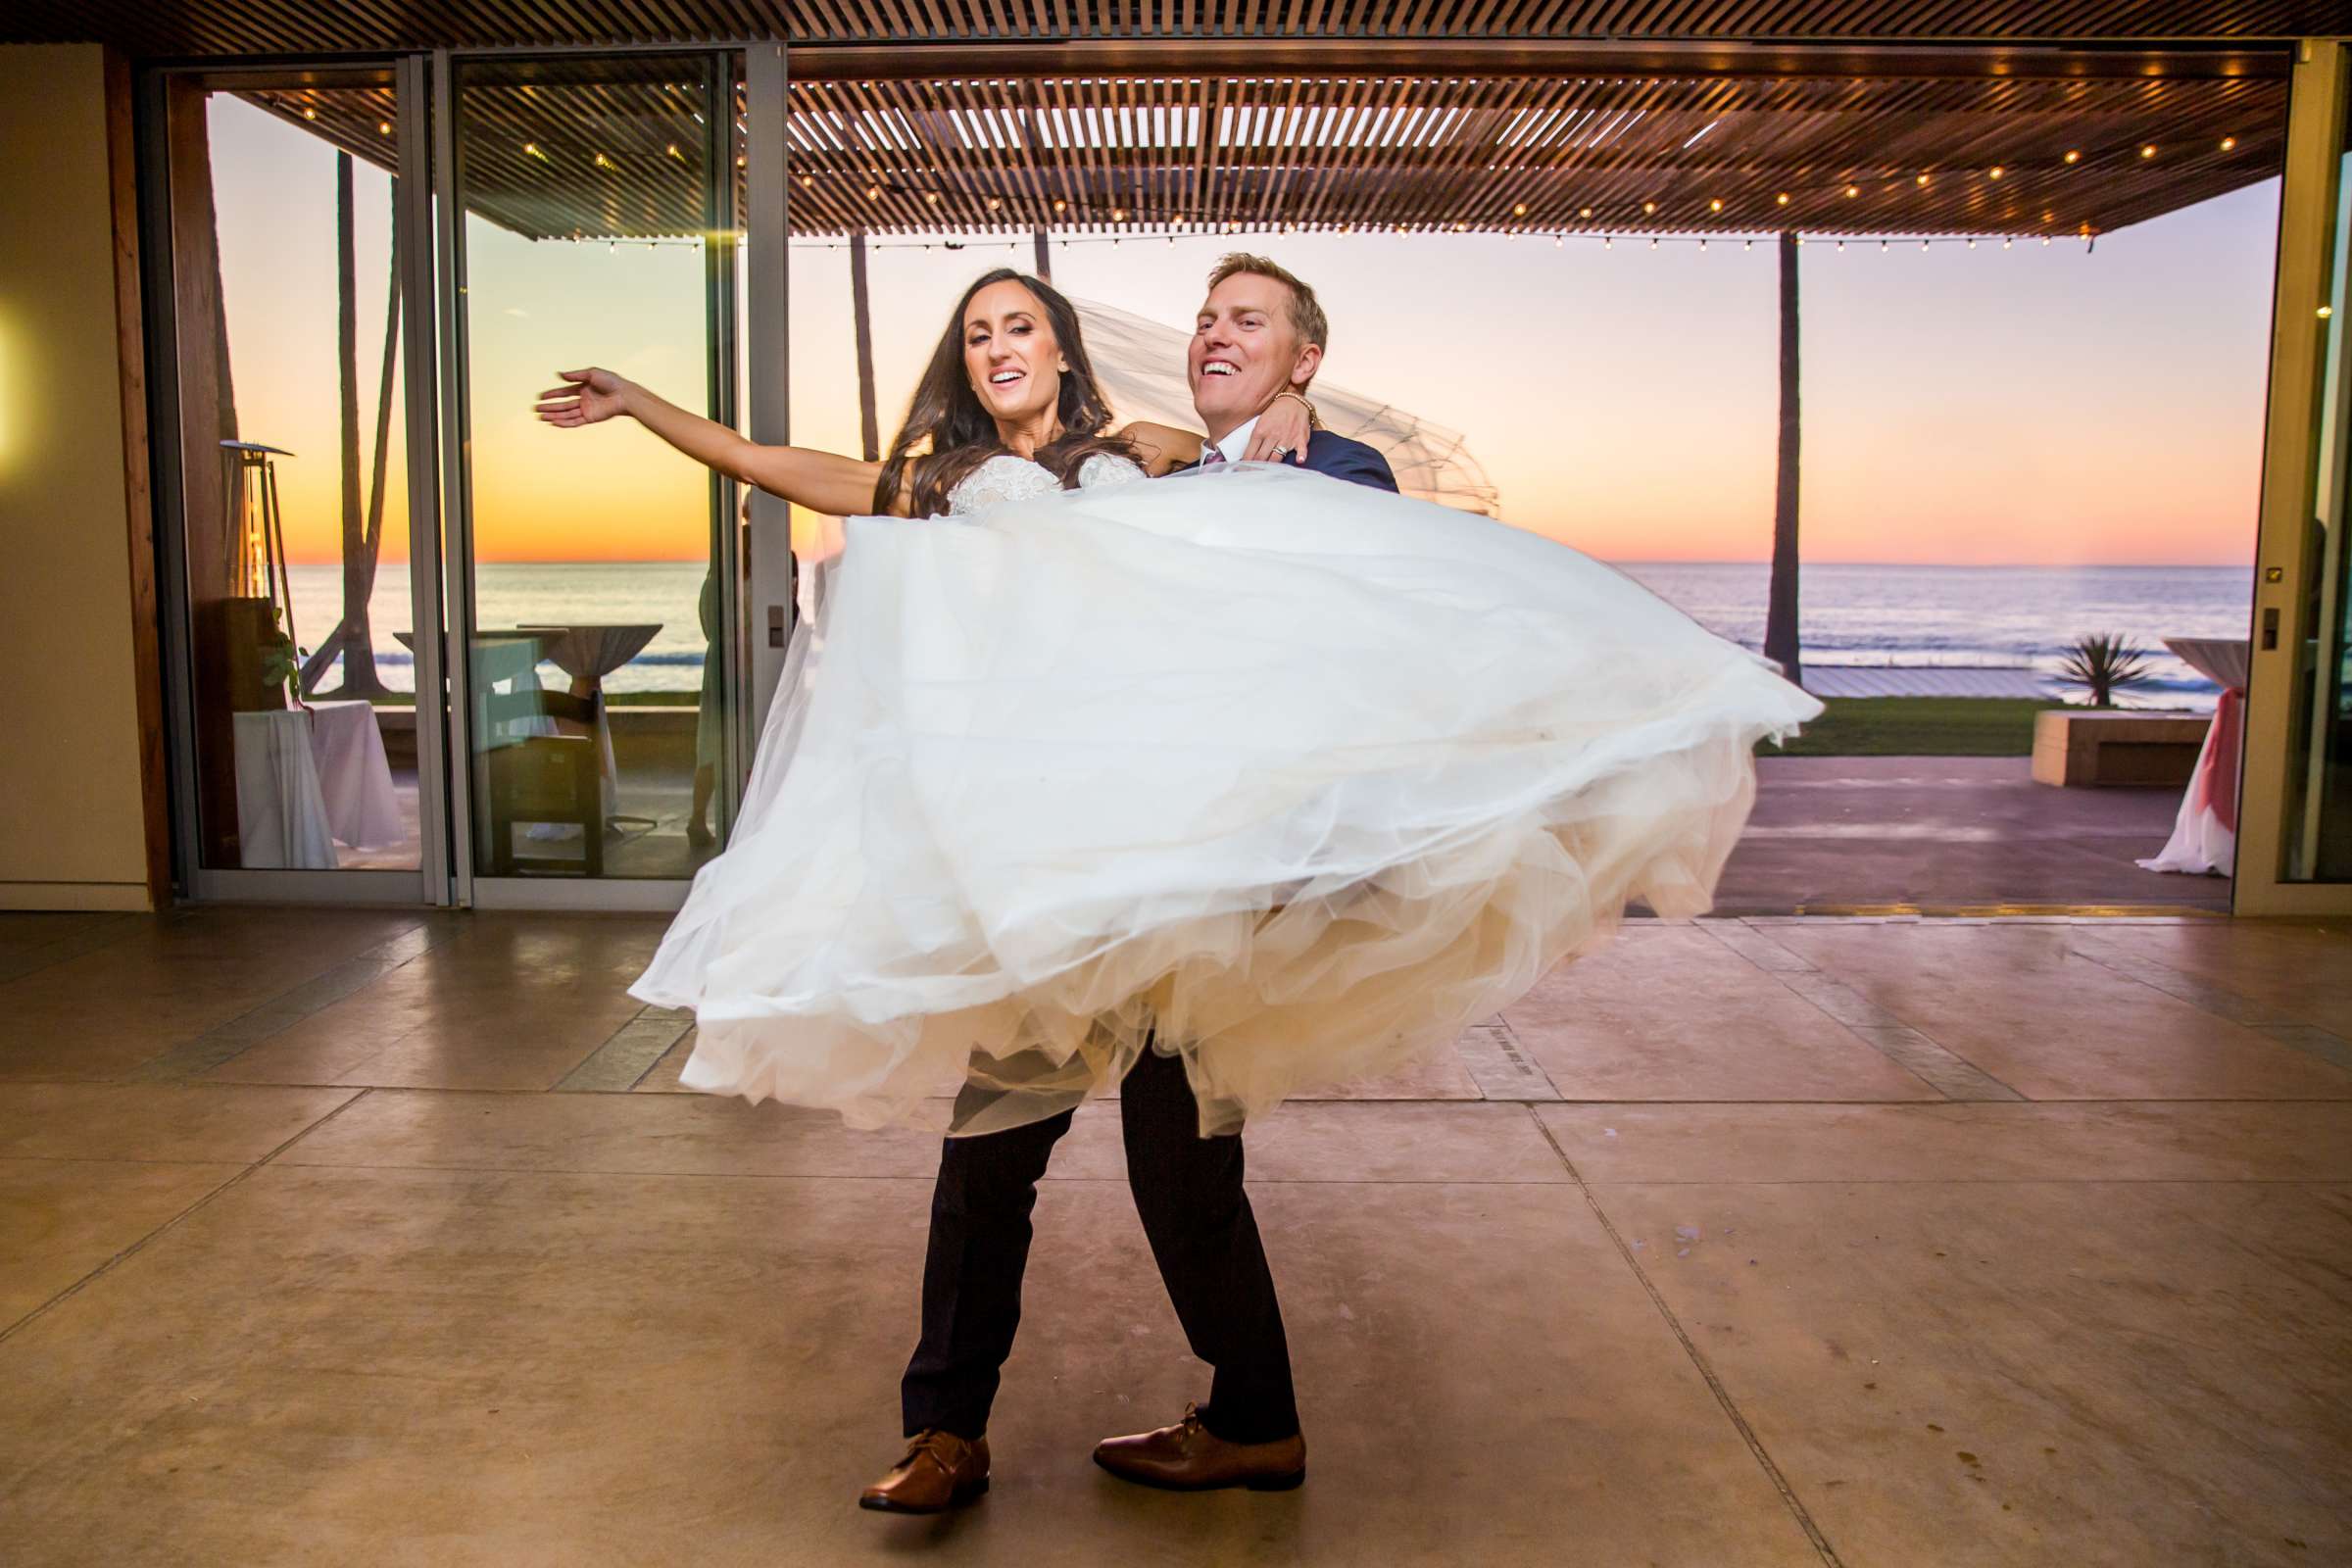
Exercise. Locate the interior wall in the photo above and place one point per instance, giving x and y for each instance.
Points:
(81, 758)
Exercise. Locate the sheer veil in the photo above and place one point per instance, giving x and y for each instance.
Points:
(1140, 366)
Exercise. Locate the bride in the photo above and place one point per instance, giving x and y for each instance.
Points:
(1297, 778)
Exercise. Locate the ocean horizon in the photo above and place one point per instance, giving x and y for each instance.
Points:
(1849, 614)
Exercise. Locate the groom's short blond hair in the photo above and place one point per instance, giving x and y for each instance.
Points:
(1306, 314)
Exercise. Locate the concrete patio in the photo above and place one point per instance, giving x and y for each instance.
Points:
(373, 1238)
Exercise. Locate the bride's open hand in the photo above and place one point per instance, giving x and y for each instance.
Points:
(587, 397)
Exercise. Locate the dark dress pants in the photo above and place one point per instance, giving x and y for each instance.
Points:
(1187, 1192)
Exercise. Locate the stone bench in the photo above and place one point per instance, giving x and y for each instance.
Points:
(2115, 746)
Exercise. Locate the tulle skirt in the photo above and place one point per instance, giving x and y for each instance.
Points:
(1291, 778)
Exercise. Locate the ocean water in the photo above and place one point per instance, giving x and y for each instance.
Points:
(1849, 615)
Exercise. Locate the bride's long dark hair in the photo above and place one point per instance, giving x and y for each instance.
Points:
(947, 412)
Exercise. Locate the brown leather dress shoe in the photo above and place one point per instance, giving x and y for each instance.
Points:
(941, 1471)
(1189, 1457)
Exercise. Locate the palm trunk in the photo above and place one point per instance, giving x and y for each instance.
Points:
(354, 635)
(868, 429)
(1781, 613)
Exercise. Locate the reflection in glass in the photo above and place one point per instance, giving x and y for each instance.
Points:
(295, 552)
(2319, 846)
(598, 224)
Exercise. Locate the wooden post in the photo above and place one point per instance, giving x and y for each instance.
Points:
(208, 416)
(869, 430)
(1045, 258)
(1780, 618)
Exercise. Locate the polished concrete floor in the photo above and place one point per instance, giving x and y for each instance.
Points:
(369, 1238)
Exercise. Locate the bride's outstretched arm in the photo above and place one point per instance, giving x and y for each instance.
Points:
(822, 481)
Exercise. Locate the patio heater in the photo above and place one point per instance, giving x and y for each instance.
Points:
(248, 476)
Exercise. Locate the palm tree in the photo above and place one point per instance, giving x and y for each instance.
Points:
(2105, 664)
(1779, 616)
(363, 542)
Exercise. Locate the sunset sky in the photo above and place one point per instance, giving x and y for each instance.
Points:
(2029, 406)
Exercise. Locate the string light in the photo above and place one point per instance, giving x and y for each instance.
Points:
(1648, 208)
(1518, 208)
(2149, 151)
(2073, 157)
(1782, 198)
(1852, 191)
(2229, 143)
(308, 113)
(1584, 211)
(2327, 311)
(1923, 178)
(1715, 206)
(383, 127)
(1995, 171)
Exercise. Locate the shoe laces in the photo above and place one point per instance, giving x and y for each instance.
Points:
(937, 1441)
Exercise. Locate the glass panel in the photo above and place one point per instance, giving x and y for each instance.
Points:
(593, 193)
(293, 449)
(2323, 688)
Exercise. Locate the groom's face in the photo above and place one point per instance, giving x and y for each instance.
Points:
(1244, 350)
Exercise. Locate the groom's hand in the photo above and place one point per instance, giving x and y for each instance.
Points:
(587, 397)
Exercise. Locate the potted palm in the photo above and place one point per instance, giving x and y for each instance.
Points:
(2104, 664)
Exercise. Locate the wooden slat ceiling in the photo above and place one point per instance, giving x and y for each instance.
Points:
(571, 152)
(188, 27)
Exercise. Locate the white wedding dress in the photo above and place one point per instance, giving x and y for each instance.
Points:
(1297, 777)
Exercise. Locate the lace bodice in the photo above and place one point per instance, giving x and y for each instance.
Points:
(1006, 478)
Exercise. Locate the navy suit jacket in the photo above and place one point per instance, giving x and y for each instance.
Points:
(1344, 457)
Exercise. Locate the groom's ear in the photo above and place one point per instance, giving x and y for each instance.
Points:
(1310, 361)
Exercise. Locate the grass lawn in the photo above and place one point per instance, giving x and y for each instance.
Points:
(1919, 726)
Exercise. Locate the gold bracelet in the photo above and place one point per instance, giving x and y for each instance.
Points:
(1314, 420)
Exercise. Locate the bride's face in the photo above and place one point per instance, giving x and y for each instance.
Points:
(1010, 355)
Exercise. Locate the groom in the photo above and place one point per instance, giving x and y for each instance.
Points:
(1259, 336)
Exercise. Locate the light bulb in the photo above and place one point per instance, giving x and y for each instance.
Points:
(2073, 157)
(1782, 198)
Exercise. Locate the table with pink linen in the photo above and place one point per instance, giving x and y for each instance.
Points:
(355, 777)
(2205, 835)
(307, 776)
